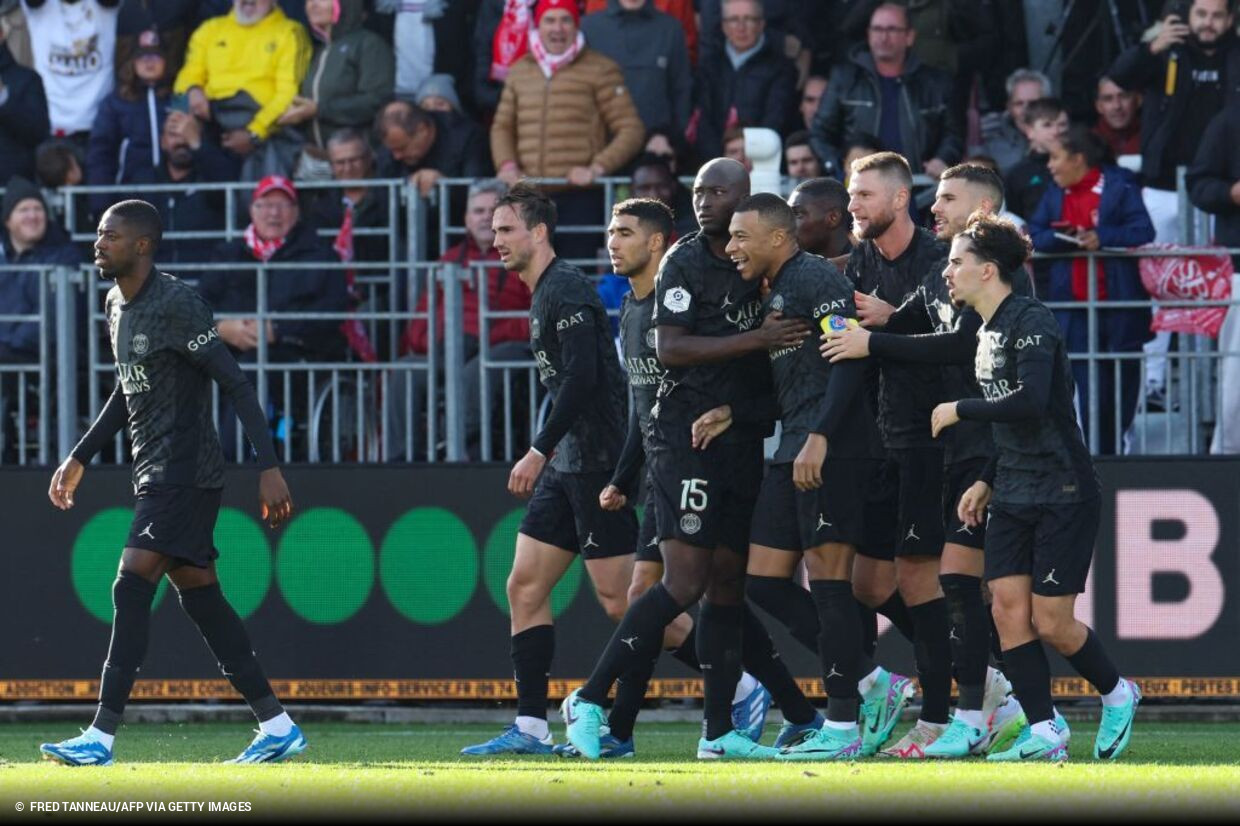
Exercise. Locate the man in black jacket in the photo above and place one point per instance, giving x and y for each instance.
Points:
(188, 157)
(429, 145)
(886, 91)
(23, 116)
(1186, 74)
(749, 83)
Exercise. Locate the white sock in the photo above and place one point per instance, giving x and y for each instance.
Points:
(534, 726)
(100, 737)
(840, 725)
(1047, 730)
(972, 716)
(1120, 695)
(744, 687)
(866, 684)
(278, 726)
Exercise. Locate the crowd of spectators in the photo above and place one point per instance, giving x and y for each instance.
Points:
(279, 93)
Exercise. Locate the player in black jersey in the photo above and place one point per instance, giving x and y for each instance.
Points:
(811, 502)
(904, 517)
(567, 467)
(167, 352)
(1042, 491)
(929, 328)
(712, 340)
(636, 243)
(821, 209)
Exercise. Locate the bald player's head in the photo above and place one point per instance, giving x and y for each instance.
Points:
(720, 185)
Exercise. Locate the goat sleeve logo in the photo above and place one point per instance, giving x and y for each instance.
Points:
(197, 342)
(140, 344)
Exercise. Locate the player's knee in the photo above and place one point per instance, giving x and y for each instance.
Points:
(870, 593)
(614, 605)
(524, 594)
(636, 589)
(1055, 628)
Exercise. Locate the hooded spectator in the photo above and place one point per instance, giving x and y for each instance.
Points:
(349, 80)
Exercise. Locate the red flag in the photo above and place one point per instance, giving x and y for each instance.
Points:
(353, 329)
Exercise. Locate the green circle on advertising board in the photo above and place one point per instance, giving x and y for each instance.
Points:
(244, 566)
(96, 556)
(325, 565)
(497, 557)
(428, 565)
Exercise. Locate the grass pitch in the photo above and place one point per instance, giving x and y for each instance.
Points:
(358, 770)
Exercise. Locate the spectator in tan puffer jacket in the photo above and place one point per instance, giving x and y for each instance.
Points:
(564, 111)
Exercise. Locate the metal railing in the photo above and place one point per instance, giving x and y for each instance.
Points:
(452, 403)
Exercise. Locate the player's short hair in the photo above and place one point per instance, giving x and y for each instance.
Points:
(891, 165)
(1043, 109)
(772, 209)
(1080, 140)
(531, 205)
(403, 115)
(52, 162)
(998, 241)
(980, 176)
(142, 216)
(825, 189)
(653, 215)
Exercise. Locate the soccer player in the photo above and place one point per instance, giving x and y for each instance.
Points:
(905, 518)
(821, 209)
(812, 498)
(712, 340)
(636, 243)
(568, 465)
(167, 352)
(1042, 492)
(929, 329)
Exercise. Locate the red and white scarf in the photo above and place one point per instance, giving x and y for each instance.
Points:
(260, 248)
(511, 37)
(552, 63)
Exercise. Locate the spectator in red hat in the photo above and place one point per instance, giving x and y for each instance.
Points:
(277, 235)
(124, 142)
(564, 111)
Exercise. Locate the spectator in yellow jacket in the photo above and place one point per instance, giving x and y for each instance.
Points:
(241, 72)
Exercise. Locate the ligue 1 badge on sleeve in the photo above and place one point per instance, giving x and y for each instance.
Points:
(677, 299)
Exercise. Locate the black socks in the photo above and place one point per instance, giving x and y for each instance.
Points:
(228, 640)
(895, 610)
(131, 621)
(637, 640)
(933, 653)
(1094, 664)
(839, 646)
(532, 652)
(719, 640)
(969, 635)
(1030, 674)
(762, 661)
(787, 602)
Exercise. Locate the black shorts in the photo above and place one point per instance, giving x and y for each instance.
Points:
(920, 518)
(957, 478)
(178, 522)
(881, 513)
(1054, 544)
(648, 533)
(564, 512)
(788, 519)
(706, 498)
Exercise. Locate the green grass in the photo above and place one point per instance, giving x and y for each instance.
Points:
(362, 769)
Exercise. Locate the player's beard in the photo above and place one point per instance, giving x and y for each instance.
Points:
(877, 226)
